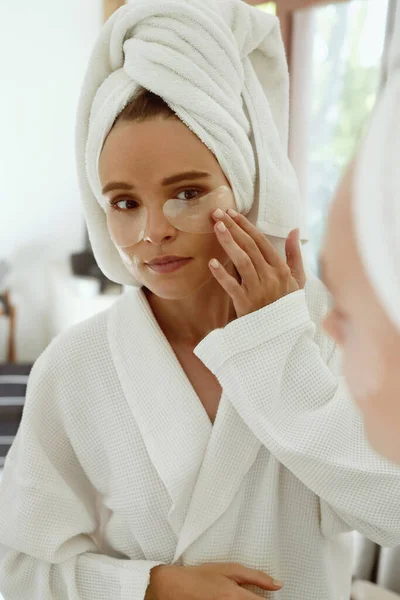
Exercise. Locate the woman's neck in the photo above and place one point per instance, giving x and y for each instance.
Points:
(187, 321)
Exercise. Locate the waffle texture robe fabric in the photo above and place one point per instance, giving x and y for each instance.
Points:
(116, 466)
(220, 65)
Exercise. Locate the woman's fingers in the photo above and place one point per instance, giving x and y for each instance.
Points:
(243, 575)
(294, 258)
(244, 241)
(267, 250)
(229, 283)
(241, 259)
(265, 276)
(246, 595)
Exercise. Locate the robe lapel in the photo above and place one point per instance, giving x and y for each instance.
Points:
(201, 466)
(172, 421)
(231, 451)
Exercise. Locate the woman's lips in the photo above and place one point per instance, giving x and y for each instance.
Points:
(169, 267)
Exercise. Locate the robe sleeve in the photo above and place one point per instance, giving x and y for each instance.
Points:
(48, 514)
(278, 370)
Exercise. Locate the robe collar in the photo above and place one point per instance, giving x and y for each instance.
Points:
(201, 465)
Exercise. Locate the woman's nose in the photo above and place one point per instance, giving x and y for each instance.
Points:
(158, 229)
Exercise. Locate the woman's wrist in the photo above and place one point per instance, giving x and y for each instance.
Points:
(156, 578)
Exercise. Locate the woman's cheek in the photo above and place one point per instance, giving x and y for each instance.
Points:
(363, 365)
(131, 262)
(335, 327)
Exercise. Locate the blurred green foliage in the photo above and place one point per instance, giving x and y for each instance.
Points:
(344, 90)
(268, 7)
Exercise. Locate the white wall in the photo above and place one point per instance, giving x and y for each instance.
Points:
(44, 48)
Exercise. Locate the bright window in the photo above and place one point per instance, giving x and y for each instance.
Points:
(348, 45)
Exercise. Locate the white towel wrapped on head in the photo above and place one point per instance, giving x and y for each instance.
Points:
(376, 194)
(220, 65)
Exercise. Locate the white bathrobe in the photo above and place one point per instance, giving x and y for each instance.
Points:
(116, 466)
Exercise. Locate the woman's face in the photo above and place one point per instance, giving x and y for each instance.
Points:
(358, 323)
(152, 162)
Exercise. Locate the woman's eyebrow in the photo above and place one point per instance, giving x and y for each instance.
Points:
(186, 175)
(116, 185)
(121, 185)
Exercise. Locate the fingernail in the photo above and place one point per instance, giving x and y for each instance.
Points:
(218, 213)
(277, 583)
(232, 213)
(214, 263)
(221, 227)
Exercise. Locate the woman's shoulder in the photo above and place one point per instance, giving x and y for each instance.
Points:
(89, 338)
(80, 354)
(78, 343)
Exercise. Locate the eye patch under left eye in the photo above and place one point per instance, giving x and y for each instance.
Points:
(128, 227)
(194, 216)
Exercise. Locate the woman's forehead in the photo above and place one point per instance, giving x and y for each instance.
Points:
(156, 135)
(154, 152)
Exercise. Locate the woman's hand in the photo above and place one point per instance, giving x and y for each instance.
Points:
(265, 276)
(207, 582)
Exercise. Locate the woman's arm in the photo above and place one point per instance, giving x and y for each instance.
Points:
(48, 513)
(285, 388)
(87, 576)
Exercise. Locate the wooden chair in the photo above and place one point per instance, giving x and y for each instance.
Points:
(7, 309)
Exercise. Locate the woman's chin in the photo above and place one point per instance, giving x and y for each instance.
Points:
(176, 287)
(384, 438)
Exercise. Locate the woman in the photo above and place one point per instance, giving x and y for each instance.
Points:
(361, 264)
(195, 440)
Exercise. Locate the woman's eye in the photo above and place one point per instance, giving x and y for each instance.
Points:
(188, 194)
(124, 204)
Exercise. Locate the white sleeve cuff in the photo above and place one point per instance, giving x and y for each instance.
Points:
(248, 332)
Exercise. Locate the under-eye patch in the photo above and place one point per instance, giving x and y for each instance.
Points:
(128, 225)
